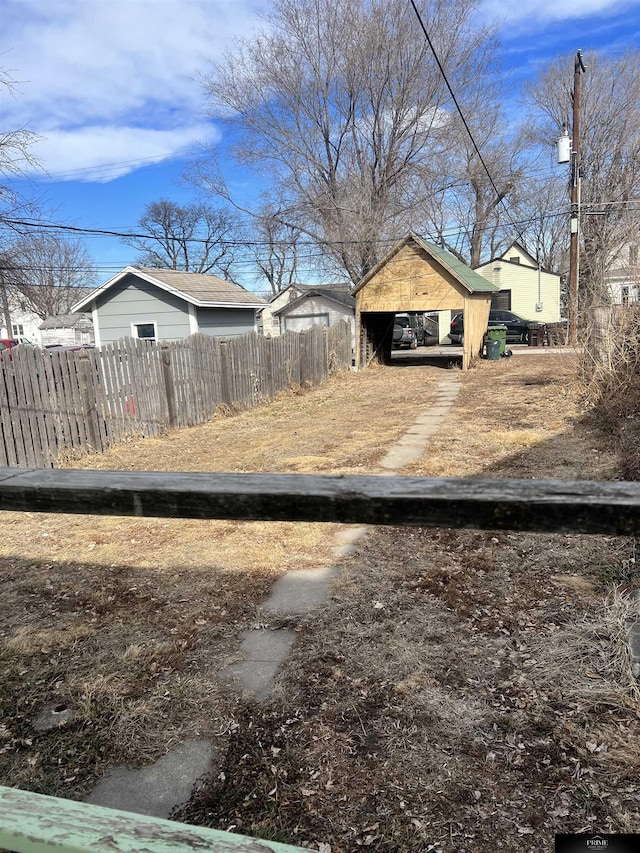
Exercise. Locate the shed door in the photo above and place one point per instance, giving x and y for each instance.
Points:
(306, 321)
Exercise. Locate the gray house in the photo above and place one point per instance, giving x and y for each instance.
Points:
(168, 305)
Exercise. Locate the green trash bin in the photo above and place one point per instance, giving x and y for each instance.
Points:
(493, 350)
(498, 333)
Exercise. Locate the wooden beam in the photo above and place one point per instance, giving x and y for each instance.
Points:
(33, 823)
(537, 505)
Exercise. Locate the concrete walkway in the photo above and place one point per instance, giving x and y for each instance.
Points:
(165, 785)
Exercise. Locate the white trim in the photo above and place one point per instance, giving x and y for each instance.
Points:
(193, 319)
(134, 330)
(81, 305)
(96, 328)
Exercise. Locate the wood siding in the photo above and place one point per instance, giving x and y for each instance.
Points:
(134, 300)
(226, 322)
(412, 281)
(522, 280)
(52, 402)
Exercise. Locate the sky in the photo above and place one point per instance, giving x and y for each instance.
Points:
(114, 92)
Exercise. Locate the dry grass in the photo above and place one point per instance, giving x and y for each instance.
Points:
(129, 620)
(427, 707)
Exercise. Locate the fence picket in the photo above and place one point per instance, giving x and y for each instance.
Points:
(56, 401)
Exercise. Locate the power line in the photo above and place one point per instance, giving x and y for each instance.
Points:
(461, 114)
(452, 232)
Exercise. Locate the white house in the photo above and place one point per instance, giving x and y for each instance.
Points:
(524, 287)
(25, 325)
(623, 277)
(277, 318)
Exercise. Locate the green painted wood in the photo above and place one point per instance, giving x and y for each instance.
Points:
(536, 505)
(33, 823)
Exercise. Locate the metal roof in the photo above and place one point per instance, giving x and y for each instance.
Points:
(470, 279)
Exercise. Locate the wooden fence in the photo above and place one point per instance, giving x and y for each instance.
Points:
(57, 401)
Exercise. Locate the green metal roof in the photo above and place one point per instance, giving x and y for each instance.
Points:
(473, 280)
(469, 278)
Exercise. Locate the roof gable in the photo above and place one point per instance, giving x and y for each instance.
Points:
(468, 278)
(345, 300)
(205, 291)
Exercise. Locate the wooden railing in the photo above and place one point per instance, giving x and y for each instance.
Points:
(537, 505)
(30, 823)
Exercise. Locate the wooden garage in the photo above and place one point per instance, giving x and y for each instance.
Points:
(418, 276)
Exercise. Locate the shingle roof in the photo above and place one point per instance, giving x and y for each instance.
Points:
(66, 321)
(202, 290)
(203, 287)
(340, 297)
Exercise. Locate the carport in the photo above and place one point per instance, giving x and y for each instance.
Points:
(418, 276)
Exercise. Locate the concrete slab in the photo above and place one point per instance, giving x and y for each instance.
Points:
(429, 418)
(264, 645)
(159, 788)
(344, 550)
(351, 534)
(401, 456)
(301, 591)
(264, 651)
(254, 676)
(426, 429)
(413, 442)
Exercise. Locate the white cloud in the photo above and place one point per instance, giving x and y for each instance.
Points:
(121, 75)
(550, 10)
(102, 153)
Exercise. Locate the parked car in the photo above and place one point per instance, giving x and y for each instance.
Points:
(517, 327)
(408, 332)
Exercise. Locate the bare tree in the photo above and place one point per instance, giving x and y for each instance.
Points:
(339, 103)
(46, 274)
(275, 250)
(610, 155)
(16, 156)
(542, 208)
(194, 237)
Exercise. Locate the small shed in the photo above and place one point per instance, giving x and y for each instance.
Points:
(67, 330)
(418, 276)
(317, 306)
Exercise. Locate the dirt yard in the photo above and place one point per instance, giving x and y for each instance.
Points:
(461, 689)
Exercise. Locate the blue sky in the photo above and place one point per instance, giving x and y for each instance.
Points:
(113, 90)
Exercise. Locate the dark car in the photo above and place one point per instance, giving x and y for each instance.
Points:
(517, 327)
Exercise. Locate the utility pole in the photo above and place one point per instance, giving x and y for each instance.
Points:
(574, 245)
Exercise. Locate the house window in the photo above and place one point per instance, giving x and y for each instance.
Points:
(501, 300)
(515, 259)
(17, 330)
(144, 331)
